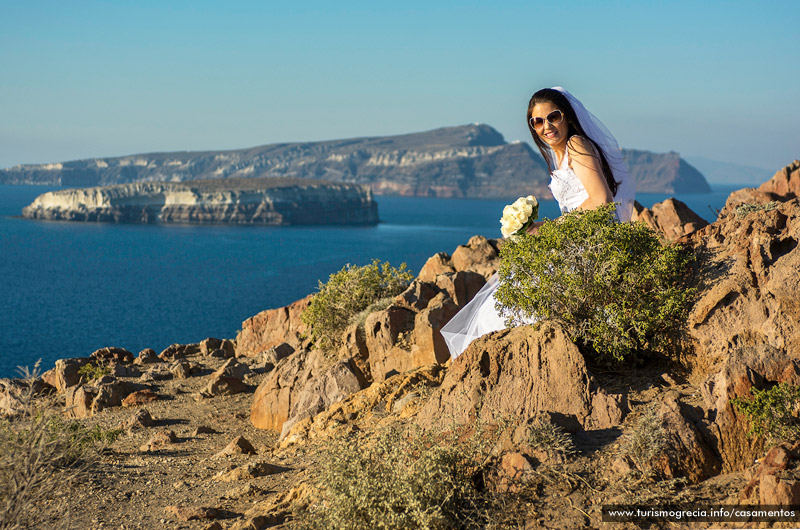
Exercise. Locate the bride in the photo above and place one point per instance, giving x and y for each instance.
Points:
(586, 170)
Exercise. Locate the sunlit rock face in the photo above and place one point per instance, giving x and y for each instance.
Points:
(264, 201)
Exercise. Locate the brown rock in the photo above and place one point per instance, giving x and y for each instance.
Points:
(354, 345)
(744, 330)
(248, 471)
(180, 369)
(272, 327)
(78, 401)
(754, 369)
(519, 372)
(514, 470)
(750, 301)
(125, 370)
(225, 385)
(276, 353)
(203, 429)
(687, 454)
(11, 392)
(461, 286)
(208, 345)
(777, 459)
(437, 264)
(238, 446)
(192, 513)
(86, 400)
(141, 419)
(159, 440)
(120, 355)
(478, 255)
(233, 368)
(320, 392)
(140, 397)
(387, 338)
(157, 373)
(301, 385)
(65, 373)
(147, 356)
(179, 351)
(671, 217)
(112, 393)
(417, 296)
(785, 183)
(773, 491)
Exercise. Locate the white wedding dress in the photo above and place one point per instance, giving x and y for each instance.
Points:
(479, 316)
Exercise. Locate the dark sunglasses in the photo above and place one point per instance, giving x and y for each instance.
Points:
(554, 118)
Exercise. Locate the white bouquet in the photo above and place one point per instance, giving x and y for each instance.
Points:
(519, 215)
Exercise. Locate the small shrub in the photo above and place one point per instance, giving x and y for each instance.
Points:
(399, 481)
(772, 412)
(551, 439)
(646, 440)
(743, 209)
(611, 285)
(94, 370)
(346, 294)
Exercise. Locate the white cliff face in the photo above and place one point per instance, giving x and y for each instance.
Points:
(254, 201)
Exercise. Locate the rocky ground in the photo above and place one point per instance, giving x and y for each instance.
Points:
(229, 434)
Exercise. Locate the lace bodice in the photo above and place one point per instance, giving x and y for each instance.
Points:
(566, 187)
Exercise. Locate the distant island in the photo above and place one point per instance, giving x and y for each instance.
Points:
(262, 201)
(471, 161)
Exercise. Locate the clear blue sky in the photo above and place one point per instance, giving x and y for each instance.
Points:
(89, 79)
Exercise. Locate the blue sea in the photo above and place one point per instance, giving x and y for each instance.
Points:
(71, 288)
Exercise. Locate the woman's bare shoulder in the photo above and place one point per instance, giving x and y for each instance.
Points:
(580, 146)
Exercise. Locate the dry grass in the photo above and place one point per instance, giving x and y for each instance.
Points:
(645, 441)
(42, 457)
(399, 479)
(552, 439)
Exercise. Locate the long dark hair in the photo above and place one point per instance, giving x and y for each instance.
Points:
(554, 97)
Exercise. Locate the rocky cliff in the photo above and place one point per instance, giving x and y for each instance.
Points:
(665, 173)
(239, 201)
(560, 435)
(465, 161)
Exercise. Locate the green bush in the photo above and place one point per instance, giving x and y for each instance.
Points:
(346, 294)
(95, 370)
(397, 481)
(611, 285)
(772, 412)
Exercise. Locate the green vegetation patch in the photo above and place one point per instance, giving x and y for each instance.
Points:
(773, 412)
(95, 370)
(744, 209)
(611, 285)
(346, 294)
